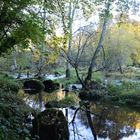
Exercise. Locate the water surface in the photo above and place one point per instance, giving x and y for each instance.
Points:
(110, 122)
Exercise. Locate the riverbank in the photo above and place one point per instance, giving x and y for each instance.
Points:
(126, 93)
(13, 111)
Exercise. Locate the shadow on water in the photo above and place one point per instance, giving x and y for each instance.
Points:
(101, 121)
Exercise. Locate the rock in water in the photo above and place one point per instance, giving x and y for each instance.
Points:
(51, 124)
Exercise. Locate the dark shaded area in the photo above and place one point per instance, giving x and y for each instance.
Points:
(51, 104)
(90, 95)
(74, 87)
(56, 74)
(33, 86)
(96, 85)
(50, 86)
(51, 125)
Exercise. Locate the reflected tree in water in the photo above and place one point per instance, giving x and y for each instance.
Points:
(114, 123)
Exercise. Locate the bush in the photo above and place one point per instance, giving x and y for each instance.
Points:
(33, 86)
(130, 85)
(9, 84)
(12, 113)
(93, 95)
(133, 96)
(50, 85)
(113, 89)
(98, 76)
(124, 87)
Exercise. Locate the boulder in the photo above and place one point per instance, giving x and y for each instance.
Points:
(50, 124)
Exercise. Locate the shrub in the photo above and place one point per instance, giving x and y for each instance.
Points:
(134, 96)
(130, 85)
(93, 95)
(50, 85)
(98, 76)
(33, 86)
(113, 89)
(9, 84)
(12, 113)
(124, 87)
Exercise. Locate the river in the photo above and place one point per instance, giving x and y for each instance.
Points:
(111, 123)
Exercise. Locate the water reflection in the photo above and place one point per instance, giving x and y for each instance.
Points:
(110, 123)
(113, 123)
(37, 101)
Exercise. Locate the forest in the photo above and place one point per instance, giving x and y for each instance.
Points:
(69, 70)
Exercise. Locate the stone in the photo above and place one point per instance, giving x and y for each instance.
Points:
(50, 124)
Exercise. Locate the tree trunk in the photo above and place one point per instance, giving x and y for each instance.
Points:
(67, 70)
(99, 46)
(120, 67)
(79, 78)
(70, 23)
(19, 73)
(14, 66)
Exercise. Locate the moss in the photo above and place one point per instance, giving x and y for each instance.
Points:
(66, 102)
(51, 124)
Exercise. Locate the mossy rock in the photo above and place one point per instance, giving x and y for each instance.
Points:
(50, 86)
(51, 124)
(33, 86)
(66, 102)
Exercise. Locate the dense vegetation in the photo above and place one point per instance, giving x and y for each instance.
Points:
(13, 111)
(93, 43)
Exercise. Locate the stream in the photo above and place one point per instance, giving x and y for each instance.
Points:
(114, 123)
